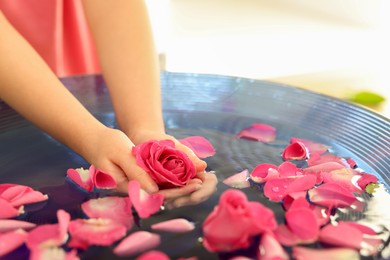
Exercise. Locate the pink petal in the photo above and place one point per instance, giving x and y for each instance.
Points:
(295, 151)
(332, 195)
(351, 163)
(292, 197)
(102, 180)
(259, 132)
(53, 253)
(305, 253)
(153, 255)
(238, 180)
(263, 172)
(82, 177)
(8, 211)
(49, 235)
(303, 223)
(341, 235)
(137, 242)
(115, 208)
(178, 225)
(19, 195)
(11, 240)
(324, 167)
(145, 204)
(102, 232)
(316, 159)
(287, 169)
(366, 179)
(313, 147)
(302, 183)
(200, 145)
(344, 177)
(11, 224)
(285, 236)
(270, 249)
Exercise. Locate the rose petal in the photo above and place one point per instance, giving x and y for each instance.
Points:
(304, 253)
(332, 195)
(153, 255)
(295, 151)
(115, 208)
(287, 169)
(285, 236)
(259, 132)
(263, 172)
(303, 223)
(200, 145)
(178, 225)
(82, 177)
(145, 204)
(346, 178)
(102, 180)
(366, 179)
(8, 211)
(238, 180)
(351, 163)
(53, 253)
(270, 249)
(102, 232)
(19, 195)
(317, 159)
(313, 147)
(324, 167)
(11, 240)
(11, 224)
(49, 235)
(137, 242)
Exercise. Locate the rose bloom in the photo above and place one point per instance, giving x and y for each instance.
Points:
(168, 166)
(235, 221)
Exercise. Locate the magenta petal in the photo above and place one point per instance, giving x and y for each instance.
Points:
(366, 179)
(137, 242)
(285, 236)
(288, 169)
(200, 145)
(8, 211)
(344, 177)
(324, 167)
(102, 180)
(145, 204)
(177, 225)
(304, 253)
(102, 232)
(326, 158)
(11, 240)
(238, 180)
(342, 235)
(295, 151)
(332, 195)
(115, 208)
(11, 224)
(263, 172)
(290, 199)
(276, 189)
(313, 147)
(302, 183)
(303, 223)
(270, 249)
(153, 255)
(259, 132)
(82, 177)
(19, 195)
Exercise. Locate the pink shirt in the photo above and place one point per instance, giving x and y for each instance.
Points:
(58, 31)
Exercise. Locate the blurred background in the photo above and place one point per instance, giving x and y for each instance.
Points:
(338, 48)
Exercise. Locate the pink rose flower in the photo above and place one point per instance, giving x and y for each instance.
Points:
(168, 166)
(235, 221)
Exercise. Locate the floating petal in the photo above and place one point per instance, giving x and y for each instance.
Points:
(259, 132)
(11, 224)
(200, 145)
(316, 159)
(102, 180)
(332, 195)
(19, 195)
(11, 240)
(287, 169)
(137, 242)
(115, 208)
(303, 223)
(145, 204)
(270, 249)
(153, 255)
(346, 178)
(366, 179)
(177, 225)
(313, 147)
(8, 211)
(82, 177)
(305, 253)
(53, 253)
(263, 172)
(324, 167)
(295, 151)
(238, 180)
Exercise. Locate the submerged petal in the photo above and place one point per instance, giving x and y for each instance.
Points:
(177, 225)
(238, 180)
(200, 145)
(11, 240)
(259, 132)
(145, 204)
(137, 242)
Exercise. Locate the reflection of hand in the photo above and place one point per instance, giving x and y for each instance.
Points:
(196, 191)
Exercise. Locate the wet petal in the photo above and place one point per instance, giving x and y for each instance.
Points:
(324, 167)
(341, 235)
(19, 195)
(305, 253)
(82, 177)
(11, 224)
(238, 180)
(332, 195)
(145, 204)
(259, 132)
(102, 180)
(270, 249)
(8, 211)
(276, 189)
(303, 223)
(115, 208)
(295, 151)
(153, 255)
(177, 225)
(263, 172)
(11, 240)
(102, 232)
(346, 178)
(316, 159)
(285, 236)
(366, 179)
(313, 147)
(287, 169)
(200, 145)
(137, 242)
